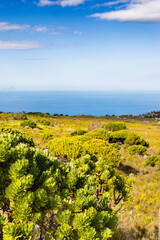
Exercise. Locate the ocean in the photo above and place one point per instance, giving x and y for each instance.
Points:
(73, 103)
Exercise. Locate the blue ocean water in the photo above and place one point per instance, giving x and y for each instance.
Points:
(73, 103)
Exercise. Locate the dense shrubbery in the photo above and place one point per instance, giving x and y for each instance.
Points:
(23, 138)
(67, 147)
(78, 132)
(28, 123)
(43, 199)
(153, 161)
(72, 148)
(124, 136)
(44, 121)
(99, 148)
(137, 149)
(96, 134)
(115, 126)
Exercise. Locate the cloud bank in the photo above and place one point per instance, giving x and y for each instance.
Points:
(5, 26)
(136, 11)
(19, 45)
(63, 3)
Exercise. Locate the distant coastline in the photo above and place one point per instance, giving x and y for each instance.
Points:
(73, 103)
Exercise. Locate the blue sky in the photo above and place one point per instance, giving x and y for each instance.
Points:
(80, 45)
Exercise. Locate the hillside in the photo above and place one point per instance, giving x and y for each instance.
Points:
(137, 219)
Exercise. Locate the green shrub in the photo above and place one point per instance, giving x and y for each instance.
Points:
(43, 121)
(24, 138)
(115, 126)
(72, 148)
(78, 132)
(137, 149)
(28, 123)
(134, 139)
(119, 136)
(97, 134)
(40, 198)
(125, 136)
(153, 161)
(47, 137)
(67, 147)
(99, 148)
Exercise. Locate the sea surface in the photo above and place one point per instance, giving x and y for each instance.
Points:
(73, 103)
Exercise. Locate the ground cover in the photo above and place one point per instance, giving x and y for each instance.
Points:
(139, 218)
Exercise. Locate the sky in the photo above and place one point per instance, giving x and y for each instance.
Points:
(80, 45)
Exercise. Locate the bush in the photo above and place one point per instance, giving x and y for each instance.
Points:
(124, 136)
(119, 136)
(137, 149)
(153, 161)
(78, 132)
(43, 199)
(23, 138)
(29, 123)
(134, 139)
(72, 148)
(115, 126)
(99, 148)
(47, 137)
(96, 134)
(67, 147)
(43, 121)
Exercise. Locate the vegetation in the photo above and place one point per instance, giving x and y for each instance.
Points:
(28, 123)
(97, 134)
(44, 199)
(22, 137)
(127, 137)
(136, 220)
(137, 149)
(78, 132)
(153, 160)
(115, 126)
(43, 121)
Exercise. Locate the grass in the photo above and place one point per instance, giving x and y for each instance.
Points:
(138, 219)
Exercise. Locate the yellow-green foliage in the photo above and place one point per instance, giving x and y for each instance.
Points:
(137, 149)
(99, 148)
(125, 136)
(74, 148)
(97, 134)
(22, 136)
(67, 147)
(153, 160)
(114, 126)
(42, 198)
(78, 132)
(43, 121)
(28, 123)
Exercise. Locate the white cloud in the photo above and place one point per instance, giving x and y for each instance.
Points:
(40, 29)
(77, 33)
(19, 45)
(109, 4)
(136, 11)
(63, 3)
(5, 26)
